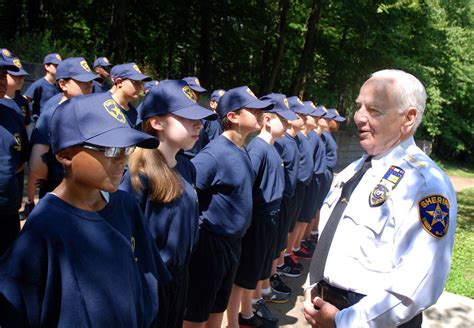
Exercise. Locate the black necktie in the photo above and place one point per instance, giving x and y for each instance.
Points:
(318, 262)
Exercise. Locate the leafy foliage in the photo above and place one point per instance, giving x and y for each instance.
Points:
(229, 43)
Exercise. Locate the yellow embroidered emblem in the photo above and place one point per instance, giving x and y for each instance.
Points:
(17, 137)
(312, 104)
(6, 53)
(197, 82)
(58, 57)
(85, 65)
(189, 93)
(251, 93)
(17, 62)
(299, 101)
(221, 93)
(135, 67)
(105, 60)
(112, 108)
(285, 101)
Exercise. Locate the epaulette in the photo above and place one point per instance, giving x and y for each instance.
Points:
(416, 160)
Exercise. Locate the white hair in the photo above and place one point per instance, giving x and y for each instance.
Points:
(410, 91)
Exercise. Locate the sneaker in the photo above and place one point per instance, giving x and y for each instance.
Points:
(275, 298)
(278, 285)
(289, 271)
(314, 238)
(254, 321)
(292, 261)
(308, 244)
(304, 253)
(263, 312)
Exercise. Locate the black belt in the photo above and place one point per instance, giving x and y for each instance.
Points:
(338, 297)
(342, 299)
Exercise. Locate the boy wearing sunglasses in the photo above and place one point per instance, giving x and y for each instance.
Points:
(84, 255)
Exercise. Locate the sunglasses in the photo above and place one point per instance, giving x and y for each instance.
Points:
(111, 152)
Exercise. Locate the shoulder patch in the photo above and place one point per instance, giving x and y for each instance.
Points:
(434, 215)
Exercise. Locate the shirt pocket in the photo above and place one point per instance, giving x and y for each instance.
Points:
(374, 232)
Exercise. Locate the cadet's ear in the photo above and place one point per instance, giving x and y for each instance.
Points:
(157, 123)
(233, 117)
(65, 156)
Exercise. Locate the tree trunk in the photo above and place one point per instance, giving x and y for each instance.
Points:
(205, 43)
(11, 19)
(308, 49)
(119, 36)
(284, 7)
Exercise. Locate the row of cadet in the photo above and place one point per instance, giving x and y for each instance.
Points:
(215, 207)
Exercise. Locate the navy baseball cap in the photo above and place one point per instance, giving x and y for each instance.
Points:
(194, 84)
(128, 71)
(75, 68)
(316, 111)
(240, 97)
(148, 85)
(280, 106)
(297, 106)
(173, 97)
(21, 72)
(6, 60)
(335, 115)
(53, 58)
(217, 94)
(102, 62)
(94, 119)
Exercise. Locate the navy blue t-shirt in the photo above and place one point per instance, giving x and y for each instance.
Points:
(40, 92)
(40, 134)
(75, 267)
(99, 88)
(306, 165)
(269, 174)
(209, 131)
(224, 178)
(319, 155)
(331, 149)
(24, 106)
(14, 151)
(287, 147)
(175, 225)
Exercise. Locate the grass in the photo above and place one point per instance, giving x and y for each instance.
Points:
(456, 169)
(461, 277)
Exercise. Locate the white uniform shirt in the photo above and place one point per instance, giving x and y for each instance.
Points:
(385, 252)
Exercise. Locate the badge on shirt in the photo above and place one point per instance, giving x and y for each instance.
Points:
(382, 191)
(434, 215)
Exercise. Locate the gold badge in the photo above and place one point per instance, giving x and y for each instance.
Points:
(6, 53)
(106, 60)
(189, 93)
(58, 57)
(285, 101)
(17, 62)
(221, 93)
(135, 67)
(251, 93)
(17, 137)
(112, 108)
(85, 65)
(383, 189)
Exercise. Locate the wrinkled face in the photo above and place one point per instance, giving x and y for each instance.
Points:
(73, 88)
(92, 169)
(3, 82)
(179, 132)
(15, 82)
(377, 118)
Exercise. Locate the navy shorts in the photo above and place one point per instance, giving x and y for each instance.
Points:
(9, 228)
(257, 250)
(212, 269)
(294, 209)
(283, 226)
(308, 208)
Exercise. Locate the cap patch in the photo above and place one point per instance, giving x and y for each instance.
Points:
(197, 82)
(221, 92)
(382, 190)
(189, 93)
(285, 101)
(105, 60)
(6, 53)
(58, 57)
(85, 65)
(434, 215)
(337, 113)
(135, 67)
(324, 108)
(298, 100)
(251, 93)
(17, 137)
(17, 62)
(112, 108)
(312, 104)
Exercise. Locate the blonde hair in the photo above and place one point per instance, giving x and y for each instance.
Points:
(164, 182)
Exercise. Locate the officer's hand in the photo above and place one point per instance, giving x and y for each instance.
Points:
(320, 314)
